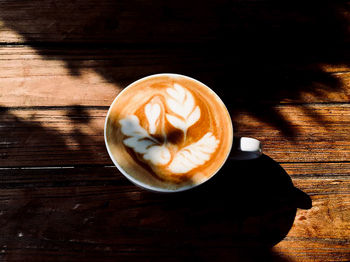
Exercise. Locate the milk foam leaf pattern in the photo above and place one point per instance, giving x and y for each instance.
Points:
(139, 139)
(158, 155)
(183, 114)
(194, 116)
(152, 112)
(141, 142)
(181, 102)
(176, 122)
(194, 155)
(131, 127)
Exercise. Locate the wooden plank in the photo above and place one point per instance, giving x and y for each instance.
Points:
(324, 228)
(94, 76)
(304, 176)
(38, 177)
(329, 215)
(317, 170)
(53, 137)
(74, 135)
(103, 216)
(300, 249)
(89, 76)
(303, 133)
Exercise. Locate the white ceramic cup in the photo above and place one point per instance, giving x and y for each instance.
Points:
(242, 148)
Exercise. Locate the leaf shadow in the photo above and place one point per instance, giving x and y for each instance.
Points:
(30, 137)
(254, 54)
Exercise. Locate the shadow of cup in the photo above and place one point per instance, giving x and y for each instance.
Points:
(246, 209)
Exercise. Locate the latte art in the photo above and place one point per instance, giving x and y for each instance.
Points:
(194, 155)
(181, 102)
(168, 131)
(184, 113)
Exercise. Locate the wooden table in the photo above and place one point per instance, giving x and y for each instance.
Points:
(282, 69)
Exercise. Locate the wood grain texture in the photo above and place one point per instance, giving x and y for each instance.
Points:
(317, 170)
(317, 174)
(87, 76)
(73, 136)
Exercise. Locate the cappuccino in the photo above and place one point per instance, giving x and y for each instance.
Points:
(168, 132)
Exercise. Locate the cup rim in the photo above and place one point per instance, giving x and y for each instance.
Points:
(139, 183)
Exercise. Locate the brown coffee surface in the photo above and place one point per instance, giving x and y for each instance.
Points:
(169, 131)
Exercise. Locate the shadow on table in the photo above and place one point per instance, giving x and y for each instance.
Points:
(30, 137)
(252, 53)
(239, 215)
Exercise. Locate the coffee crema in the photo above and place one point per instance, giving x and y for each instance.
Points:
(169, 131)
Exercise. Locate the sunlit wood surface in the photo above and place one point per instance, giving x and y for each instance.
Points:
(282, 69)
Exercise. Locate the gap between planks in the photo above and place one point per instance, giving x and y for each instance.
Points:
(282, 104)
